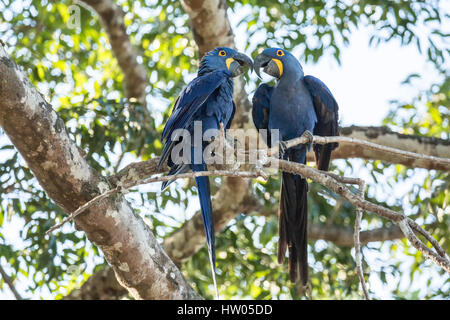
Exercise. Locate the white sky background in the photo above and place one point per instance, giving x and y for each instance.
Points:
(367, 79)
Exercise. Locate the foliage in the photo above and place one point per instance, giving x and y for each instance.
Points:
(77, 72)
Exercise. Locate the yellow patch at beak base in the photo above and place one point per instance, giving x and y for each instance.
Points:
(228, 62)
(279, 65)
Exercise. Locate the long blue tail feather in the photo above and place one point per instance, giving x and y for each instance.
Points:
(204, 195)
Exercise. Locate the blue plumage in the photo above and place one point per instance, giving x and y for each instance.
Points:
(208, 99)
(296, 105)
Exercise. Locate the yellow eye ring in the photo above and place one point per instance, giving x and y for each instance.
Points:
(222, 53)
(280, 53)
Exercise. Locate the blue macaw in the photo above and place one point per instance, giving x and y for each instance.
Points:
(209, 99)
(296, 106)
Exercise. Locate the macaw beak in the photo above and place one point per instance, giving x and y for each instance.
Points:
(237, 63)
(272, 66)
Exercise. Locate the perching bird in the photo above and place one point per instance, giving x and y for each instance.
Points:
(209, 99)
(297, 105)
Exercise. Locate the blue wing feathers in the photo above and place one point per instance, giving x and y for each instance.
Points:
(188, 103)
(327, 110)
(324, 103)
(207, 98)
(261, 109)
(261, 106)
(191, 98)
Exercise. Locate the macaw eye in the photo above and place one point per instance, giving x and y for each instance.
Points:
(280, 53)
(222, 53)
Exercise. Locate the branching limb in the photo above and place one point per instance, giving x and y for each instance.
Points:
(443, 262)
(129, 246)
(342, 190)
(330, 181)
(122, 188)
(442, 163)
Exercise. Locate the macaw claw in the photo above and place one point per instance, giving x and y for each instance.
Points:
(307, 134)
(282, 147)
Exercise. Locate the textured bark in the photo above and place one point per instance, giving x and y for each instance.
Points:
(209, 24)
(102, 285)
(40, 136)
(211, 28)
(384, 136)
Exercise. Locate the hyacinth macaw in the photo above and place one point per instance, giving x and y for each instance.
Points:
(209, 99)
(298, 105)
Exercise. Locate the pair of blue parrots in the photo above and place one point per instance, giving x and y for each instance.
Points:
(298, 105)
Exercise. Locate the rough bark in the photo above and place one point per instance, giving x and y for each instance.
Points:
(211, 28)
(209, 24)
(40, 136)
(235, 198)
(102, 285)
(384, 136)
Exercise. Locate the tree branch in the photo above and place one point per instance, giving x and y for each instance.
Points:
(399, 218)
(357, 241)
(135, 76)
(329, 180)
(10, 283)
(206, 42)
(429, 146)
(125, 187)
(40, 136)
(394, 155)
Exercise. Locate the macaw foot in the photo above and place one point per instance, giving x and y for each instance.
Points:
(225, 140)
(228, 141)
(308, 135)
(282, 147)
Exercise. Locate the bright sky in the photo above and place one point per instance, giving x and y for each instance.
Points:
(367, 79)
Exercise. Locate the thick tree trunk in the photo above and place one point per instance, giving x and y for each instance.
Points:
(40, 135)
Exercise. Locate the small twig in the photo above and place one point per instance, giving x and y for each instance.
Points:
(346, 180)
(359, 269)
(443, 262)
(356, 236)
(125, 187)
(119, 161)
(10, 284)
(427, 236)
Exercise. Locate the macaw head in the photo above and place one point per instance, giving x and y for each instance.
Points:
(277, 62)
(224, 58)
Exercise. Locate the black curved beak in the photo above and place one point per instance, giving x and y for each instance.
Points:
(240, 62)
(266, 62)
